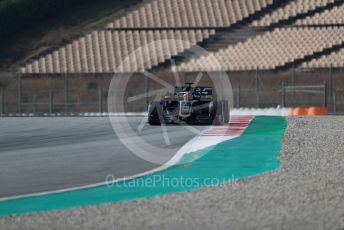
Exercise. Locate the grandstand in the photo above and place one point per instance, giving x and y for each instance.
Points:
(267, 42)
(334, 16)
(333, 60)
(190, 14)
(293, 9)
(271, 50)
(104, 51)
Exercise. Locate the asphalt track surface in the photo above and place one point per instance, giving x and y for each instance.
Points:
(307, 192)
(44, 154)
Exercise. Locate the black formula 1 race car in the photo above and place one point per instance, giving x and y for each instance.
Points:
(191, 105)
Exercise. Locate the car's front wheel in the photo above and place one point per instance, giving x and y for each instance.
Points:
(220, 112)
(155, 113)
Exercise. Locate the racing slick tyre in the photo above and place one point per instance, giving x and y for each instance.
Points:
(155, 113)
(222, 112)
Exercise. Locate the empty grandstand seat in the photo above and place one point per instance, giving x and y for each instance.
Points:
(109, 51)
(292, 9)
(272, 49)
(328, 17)
(189, 13)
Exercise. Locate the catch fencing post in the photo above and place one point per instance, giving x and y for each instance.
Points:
(257, 90)
(34, 103)
(19, 93)
(283, 95)
(146, 92)
(334, 101)
(1, 101)
(51, 101)
(66, 91)
(325, 95)
(238, 96)
(293, 83)
(100, 100)
(331, 93)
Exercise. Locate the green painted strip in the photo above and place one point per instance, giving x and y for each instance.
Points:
(255, 152)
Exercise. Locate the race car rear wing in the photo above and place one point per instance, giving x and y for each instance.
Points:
(201, 90)
(206, 91)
